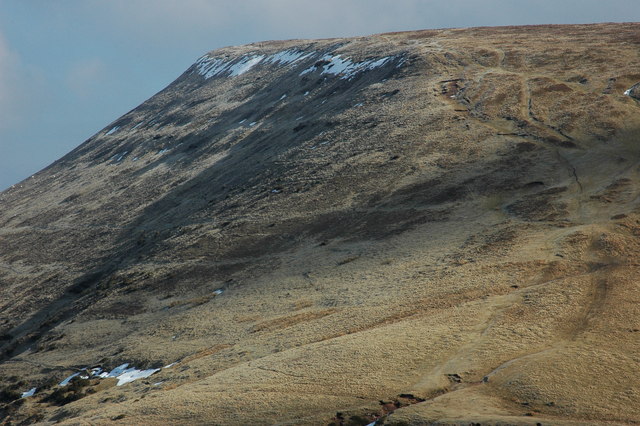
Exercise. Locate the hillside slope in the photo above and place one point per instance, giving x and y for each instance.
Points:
(430, 226)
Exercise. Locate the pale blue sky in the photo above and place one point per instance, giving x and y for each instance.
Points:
(70, 67)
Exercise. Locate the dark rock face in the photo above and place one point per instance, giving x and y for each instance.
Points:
(317, 227)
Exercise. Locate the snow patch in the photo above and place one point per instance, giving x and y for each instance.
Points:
(209, 67)
(345, 67)
(112, 131)
(632, 91)
(118, 157)
(96, 371)
(287, 57)
(66, 381)
(28, 393)
(131, 374)
(245, 65)
(118, 370)
(123, 373)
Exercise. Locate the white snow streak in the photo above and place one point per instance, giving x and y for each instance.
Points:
(118, 157)
(131, 374)
(245, 65)
(28, 393)
(66, 381)
(112, 131)
(209, 67)
(345, 67)
(123, 373)
(287, 57)
(630, 91)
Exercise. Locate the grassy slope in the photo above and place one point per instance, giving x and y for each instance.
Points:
(469, 240)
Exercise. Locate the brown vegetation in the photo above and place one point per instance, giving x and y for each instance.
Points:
(449, 238)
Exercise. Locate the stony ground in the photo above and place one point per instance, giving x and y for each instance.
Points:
(423, 227)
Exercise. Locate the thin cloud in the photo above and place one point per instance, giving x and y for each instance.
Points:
(166, 19)
(11, 100)
(84, 78)
(257, 20)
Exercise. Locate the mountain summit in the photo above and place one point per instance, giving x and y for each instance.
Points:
(407, 228)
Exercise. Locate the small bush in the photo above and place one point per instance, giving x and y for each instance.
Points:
(74, 391)
(7, 395)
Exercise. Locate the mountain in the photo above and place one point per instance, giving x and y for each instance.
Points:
(409, 228)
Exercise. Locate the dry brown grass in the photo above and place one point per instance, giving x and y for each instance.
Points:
(461, 247)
